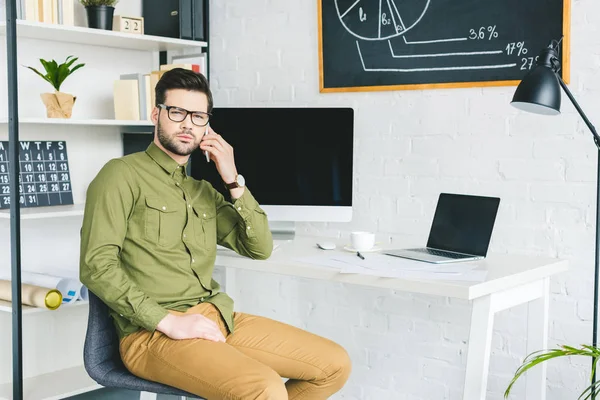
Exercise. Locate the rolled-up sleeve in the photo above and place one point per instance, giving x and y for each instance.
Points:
(243, 226)
(109, 203)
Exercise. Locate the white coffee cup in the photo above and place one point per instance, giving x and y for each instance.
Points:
(362, 241)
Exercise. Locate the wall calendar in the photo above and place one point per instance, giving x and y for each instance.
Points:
(44, 175)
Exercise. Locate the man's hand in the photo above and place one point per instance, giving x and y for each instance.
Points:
(221, 153)
(190, 326)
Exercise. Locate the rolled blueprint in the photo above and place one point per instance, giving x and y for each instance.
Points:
(70, 288)
(73, 275)
(31, 295)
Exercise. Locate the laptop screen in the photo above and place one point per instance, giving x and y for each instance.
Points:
(463, 223)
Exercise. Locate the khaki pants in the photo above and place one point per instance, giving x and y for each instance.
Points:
(248, 366)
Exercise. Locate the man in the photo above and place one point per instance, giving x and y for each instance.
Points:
(148, 247)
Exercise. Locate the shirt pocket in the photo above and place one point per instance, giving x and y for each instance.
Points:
(161, 222)
(205, 227)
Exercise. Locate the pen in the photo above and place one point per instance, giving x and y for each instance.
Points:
(360, 255)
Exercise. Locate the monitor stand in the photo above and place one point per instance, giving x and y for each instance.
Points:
(283, 230)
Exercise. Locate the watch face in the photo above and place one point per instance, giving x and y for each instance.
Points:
(240, 180)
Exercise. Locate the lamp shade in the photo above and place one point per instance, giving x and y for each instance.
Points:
(538, 92)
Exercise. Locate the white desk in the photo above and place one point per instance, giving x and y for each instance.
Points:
(511, 280)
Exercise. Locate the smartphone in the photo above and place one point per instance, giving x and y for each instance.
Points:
(206, 152)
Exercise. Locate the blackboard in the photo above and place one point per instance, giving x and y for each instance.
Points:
(367, 45)
(44, 174)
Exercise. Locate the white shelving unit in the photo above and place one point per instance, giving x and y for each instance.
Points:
(57, 384)
(84, 122)
(99, 37)
(5, 306)
(53, 386)
(47, 212)
(74, 380)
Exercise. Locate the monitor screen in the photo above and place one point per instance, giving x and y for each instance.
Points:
(463, 223)
(297, 162)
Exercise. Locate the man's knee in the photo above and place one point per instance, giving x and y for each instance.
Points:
(340, 365)
(271, 387)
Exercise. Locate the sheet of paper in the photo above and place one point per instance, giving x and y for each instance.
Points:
(472, 275)
(395, 267)
(322, 261)
(382, 262)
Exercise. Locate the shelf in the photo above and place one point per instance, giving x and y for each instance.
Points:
(54, 385)
(46, 212)
(84, 122)
(6, 306)
(99, 37)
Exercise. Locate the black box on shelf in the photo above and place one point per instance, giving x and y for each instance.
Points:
(183, 19)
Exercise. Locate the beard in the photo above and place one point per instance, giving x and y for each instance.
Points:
(172, 144)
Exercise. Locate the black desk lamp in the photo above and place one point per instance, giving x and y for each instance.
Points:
(539, 92)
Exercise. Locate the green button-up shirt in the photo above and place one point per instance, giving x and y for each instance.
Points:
(149, 239)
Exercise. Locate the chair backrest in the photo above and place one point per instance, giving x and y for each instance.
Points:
(102, 359)
(101, 349)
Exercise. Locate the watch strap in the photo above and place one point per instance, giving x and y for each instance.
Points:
(231, 185)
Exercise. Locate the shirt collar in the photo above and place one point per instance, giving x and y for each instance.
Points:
(164, 160)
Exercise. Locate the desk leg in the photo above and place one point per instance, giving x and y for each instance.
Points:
(537, 339)
(480, 345)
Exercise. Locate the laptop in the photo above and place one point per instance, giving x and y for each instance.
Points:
(461, 230)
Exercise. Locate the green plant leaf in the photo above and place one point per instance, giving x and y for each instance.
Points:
(40, 74)
(77, 67)
(541, 356)
(54, 65)
(51, 71)
(536, 358)
(69, 63)
(55, 73)
(587, 393)
(64, 72)
(47, 66)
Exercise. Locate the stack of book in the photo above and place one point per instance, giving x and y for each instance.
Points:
(47, 11)
(134, 94)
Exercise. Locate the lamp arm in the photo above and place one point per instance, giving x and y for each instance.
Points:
(597, 252)
(579, 110)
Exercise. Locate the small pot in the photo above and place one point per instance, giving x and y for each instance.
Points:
(100, 17)
(58, 104)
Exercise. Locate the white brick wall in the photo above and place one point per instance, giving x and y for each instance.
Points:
(404, 346)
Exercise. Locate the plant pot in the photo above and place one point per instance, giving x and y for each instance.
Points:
(100, 17)
(58, 104)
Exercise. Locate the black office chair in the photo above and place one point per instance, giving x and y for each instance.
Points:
(103, 362)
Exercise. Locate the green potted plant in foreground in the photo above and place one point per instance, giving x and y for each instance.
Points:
(58, 104)
(541, 356)
(100, 13)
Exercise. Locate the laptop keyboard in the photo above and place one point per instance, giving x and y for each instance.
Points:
(441, 253)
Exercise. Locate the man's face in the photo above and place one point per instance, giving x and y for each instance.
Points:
(180, 138)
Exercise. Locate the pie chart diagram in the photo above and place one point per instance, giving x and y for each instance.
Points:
(380, 19)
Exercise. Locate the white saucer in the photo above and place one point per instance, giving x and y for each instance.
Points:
(374, 248)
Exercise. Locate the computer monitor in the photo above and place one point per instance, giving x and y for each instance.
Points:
(297, 162)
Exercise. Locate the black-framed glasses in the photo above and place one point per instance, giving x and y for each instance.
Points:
(178, 114)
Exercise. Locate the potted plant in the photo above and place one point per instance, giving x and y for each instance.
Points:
(100, 13)
(540, 356)
(58, 104)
